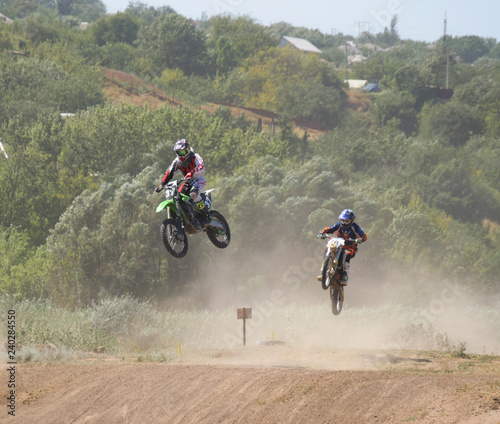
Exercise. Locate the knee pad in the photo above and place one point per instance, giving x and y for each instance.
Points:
(195, 196)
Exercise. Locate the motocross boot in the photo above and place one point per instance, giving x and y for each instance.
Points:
(192, 217)
(345, 277)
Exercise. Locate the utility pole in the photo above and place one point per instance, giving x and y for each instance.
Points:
(346, 64)
(446, 52)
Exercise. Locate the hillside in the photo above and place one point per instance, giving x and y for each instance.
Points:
(121, 87)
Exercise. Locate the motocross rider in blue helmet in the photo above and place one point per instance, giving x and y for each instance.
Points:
(192, 167)
(353, 235)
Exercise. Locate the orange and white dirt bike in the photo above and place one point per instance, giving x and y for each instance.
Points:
(332, 270)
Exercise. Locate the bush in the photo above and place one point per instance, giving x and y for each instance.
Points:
(452, 123)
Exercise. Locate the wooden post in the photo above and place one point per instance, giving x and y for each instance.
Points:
(244, 329)
(244, 314)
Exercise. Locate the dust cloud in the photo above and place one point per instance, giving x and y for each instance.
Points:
(384, 309)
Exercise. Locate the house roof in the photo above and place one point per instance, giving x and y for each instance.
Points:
(4, 18)
(355, 83)
(374, 47)
(351, 47)
(356, 58)
(300, 44)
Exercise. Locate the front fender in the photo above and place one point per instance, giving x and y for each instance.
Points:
(170, 203)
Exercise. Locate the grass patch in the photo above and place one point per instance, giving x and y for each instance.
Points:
(131, 328)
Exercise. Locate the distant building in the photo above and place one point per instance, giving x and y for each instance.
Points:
(299, 44)
(351, 48)
(5, 20)
(354, 83)
(373, 47)
(356, 58)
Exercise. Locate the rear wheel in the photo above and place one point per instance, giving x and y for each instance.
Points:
(337, 296)
(328, 272)
(174, 241)
(219, 237)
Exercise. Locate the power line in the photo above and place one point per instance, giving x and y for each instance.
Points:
(364, 23)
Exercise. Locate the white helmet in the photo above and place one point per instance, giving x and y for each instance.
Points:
(183, 150)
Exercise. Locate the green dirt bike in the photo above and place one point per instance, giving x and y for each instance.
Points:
(332, 270)
(183, 217)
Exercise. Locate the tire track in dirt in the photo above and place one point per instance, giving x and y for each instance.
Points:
(190, 393)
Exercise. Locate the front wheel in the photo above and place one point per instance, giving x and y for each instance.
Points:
(328, 272)
(220, 237)
(175, 241)
(337, 296)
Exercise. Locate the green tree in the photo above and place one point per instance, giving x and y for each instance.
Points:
(30, 88)
(14, 249)
(88, 10)
(380, 66)
(492, 119)
(224, 55)
(434, 69)
(64, 7)
(38, 28)
(311, 100)
(452, 123)
(477, 91)
(119, 28)
(172, 41)
(495, 51)
(470, 47)
(390, 36)
(409, 79)
(19, 8)
(146, 13)
(231, 40)
(396, 109)
(269, 80)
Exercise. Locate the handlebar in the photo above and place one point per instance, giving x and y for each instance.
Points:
(179, 182)
(324, 236)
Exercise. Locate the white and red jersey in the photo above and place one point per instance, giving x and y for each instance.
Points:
(194, 167)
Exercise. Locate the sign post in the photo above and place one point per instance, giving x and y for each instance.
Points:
(244, 314)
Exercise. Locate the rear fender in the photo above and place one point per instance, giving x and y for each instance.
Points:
(208, 193)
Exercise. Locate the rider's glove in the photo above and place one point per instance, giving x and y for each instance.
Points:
(358, 241)
(320, 236)
(188, 176)
(159, 188)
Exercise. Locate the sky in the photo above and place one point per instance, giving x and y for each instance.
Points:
(419, 20)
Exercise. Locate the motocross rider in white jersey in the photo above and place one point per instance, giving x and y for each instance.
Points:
(192, 167)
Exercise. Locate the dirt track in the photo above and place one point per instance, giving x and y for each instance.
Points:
(244, 387)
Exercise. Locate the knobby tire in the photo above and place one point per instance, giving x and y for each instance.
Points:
(219, 238)
(169, 233)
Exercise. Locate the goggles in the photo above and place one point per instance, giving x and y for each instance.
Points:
(183, 152)
(346, 221)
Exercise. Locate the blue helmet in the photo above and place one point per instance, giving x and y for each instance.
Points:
(347, 218)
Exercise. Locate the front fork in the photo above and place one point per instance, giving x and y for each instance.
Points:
(341, 256)
(338, 262)
(178, 219)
